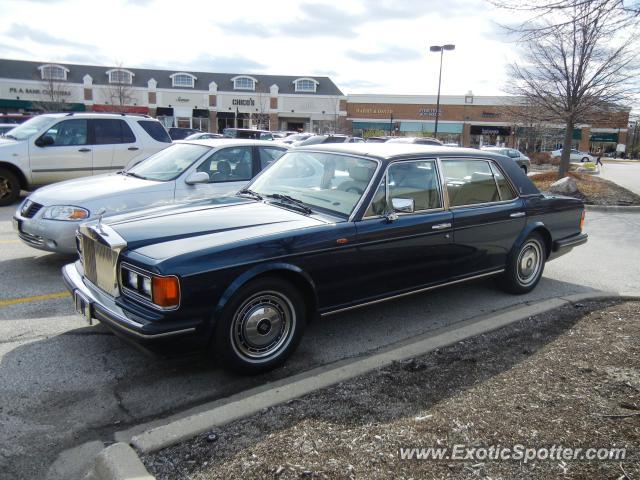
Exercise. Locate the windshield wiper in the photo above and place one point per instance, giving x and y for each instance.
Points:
(131, 174)
(251, 193)
(298, 203)
(6, 135)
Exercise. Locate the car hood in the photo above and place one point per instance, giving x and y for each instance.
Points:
(107, 189)
(171, 231)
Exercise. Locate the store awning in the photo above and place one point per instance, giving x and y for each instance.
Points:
(430, 127)
(42, 106)
(372, 125)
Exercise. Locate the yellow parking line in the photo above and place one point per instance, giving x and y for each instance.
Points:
(35, 298)
(9, 241)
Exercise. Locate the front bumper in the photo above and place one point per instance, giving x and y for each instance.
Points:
(49, 235)
(103, 307)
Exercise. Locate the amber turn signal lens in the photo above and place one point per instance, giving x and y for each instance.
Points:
(166, 291)
(582, 221)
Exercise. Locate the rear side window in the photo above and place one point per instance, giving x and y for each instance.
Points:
(506, 192)
(269, 155)
(470, 182)
(155, 130)
(110, 131)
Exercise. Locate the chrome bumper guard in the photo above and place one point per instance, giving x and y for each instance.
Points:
(94, 304)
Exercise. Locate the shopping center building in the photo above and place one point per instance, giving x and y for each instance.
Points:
(214, 101)
(470, 120)
(202, 100)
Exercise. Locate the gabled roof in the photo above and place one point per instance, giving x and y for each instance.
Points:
(27, 70)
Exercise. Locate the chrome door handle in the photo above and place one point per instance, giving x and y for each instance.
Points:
(517, 214)
(441, 226)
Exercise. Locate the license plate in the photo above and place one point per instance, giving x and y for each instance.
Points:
(83, 306)
(17, 225)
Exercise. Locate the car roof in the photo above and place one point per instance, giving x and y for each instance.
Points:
(223, 142)
(140, 116)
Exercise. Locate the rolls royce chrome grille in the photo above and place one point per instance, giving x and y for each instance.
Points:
(99, 264)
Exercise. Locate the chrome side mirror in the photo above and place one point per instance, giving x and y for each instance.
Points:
(197, 177)
(403, 205)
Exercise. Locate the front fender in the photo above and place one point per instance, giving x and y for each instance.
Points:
(261, 270)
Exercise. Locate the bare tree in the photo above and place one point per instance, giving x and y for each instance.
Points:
(261, 117)
(53, 93)
(576, 64)
(120, 93)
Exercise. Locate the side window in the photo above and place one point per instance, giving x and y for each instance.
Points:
(155, 130)
(228, 165)
(266, 136)
(111, 131)
(506, 192)
(269, 155)
(68, 132)
(469, 182)
(415, 180)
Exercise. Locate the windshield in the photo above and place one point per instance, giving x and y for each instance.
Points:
(320, 180)
(169, 163)
(28, 128)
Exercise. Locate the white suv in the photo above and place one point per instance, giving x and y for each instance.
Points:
(60, 146)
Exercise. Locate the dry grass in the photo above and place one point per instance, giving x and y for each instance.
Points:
(594, 190)
(570, 378)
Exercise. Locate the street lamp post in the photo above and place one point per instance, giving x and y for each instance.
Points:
(441, 49)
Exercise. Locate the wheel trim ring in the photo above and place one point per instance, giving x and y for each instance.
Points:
(237, 332)
(531, 256)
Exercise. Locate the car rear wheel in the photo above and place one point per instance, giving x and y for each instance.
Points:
(260, 327)
(9, 187)
(584, 159)
(525, 266)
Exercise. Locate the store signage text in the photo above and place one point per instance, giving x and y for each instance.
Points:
(182, 99)
(244, 102)
(37, 91)
(429, 112)
(373, 111)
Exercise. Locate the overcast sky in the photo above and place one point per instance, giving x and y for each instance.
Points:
(365, 46)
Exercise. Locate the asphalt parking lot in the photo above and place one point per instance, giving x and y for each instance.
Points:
(63, 383)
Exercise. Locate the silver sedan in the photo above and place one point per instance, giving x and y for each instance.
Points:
(187, 170)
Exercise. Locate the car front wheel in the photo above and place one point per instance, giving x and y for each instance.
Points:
(524, 168)
(260, 327)
(584, 159)
(9, 187)
(525, 266)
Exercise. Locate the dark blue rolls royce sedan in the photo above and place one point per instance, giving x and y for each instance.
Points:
(323, 230)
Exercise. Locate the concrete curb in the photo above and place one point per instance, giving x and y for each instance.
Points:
(118, 462)
(155, 436)
(613, 208)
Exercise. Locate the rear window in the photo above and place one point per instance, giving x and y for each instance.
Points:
(155, 130)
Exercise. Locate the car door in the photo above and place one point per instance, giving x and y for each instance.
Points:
(229, 169)
(114, 136)
(69, 154)
(401, 251)
(487, 215)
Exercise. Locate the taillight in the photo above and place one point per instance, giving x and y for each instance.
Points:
(582, 220)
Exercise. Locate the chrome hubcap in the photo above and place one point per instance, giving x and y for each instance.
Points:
(263, 325)
(529, 262)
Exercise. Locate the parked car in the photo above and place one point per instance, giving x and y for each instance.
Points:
(336, 138)
(325, 229)
(60, 146)
(379, 139)
(296, 137)
(520, 158)
(186, 170)
(418, 140)
(203, 136)
(247, 133)
(180, 133)
(575, 156)
(5, 127)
